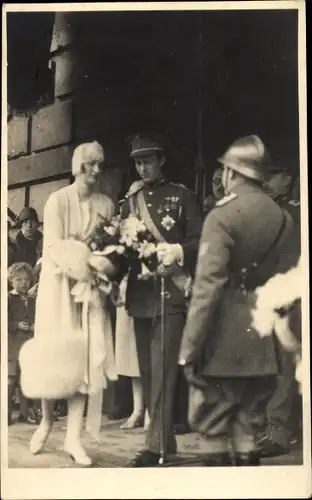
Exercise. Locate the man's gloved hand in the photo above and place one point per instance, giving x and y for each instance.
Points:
(170, 253)
(189, 369)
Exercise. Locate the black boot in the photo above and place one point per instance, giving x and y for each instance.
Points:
(217, 460)
(247, 459)
(145, 458)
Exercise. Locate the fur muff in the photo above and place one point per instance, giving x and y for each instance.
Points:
(53, 368)
(76, 268)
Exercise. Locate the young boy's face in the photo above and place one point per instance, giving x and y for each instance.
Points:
(22, 283)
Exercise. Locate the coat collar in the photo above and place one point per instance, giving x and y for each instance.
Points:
(158, 182)
(20, 238)
(136, 186)
(14, 292)
(247, 188)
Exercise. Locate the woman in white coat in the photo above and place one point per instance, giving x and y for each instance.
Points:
(74, 211)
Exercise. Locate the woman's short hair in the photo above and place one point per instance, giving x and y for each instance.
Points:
(84, 153)
(19, 268)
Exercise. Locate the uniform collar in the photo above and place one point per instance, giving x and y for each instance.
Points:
(158, 182)
(21, 238)
(246, 188)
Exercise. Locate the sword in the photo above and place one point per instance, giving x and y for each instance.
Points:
(162, 369)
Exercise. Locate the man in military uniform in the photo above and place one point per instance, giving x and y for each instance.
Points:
(283, 413)
(230, 368)
(171, 213)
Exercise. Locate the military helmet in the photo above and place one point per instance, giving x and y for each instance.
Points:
(248, 156)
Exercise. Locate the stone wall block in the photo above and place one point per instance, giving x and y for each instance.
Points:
(17, 136)
(52, 126)
(62, 32)
(39, 165)
(65, 72)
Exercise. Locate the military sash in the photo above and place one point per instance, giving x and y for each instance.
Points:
(180, 278)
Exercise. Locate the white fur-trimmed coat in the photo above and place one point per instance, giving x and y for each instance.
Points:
(57, 315)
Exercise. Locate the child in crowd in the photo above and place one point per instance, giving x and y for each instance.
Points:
(21, 315)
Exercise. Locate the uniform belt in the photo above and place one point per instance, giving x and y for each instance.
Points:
(244, 283)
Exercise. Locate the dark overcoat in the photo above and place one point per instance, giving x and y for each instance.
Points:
(18, 311)
(242, 246)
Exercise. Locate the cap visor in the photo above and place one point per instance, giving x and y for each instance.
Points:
(140, 153)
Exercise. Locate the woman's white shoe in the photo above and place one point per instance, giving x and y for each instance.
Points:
(78, 454)
(39, 438)
(135, 420)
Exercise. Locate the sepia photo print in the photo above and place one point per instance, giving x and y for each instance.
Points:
(155, 258)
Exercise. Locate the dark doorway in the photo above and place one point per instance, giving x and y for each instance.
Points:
(201, 78)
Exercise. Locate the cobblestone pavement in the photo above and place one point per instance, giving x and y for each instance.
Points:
(117, 447)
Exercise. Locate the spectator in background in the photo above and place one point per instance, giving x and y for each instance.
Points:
(11, 247)
(29, 238)
(217, 191)
(284, 410)
(21, 315)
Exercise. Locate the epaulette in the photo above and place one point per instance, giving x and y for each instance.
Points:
(226, 199)
(294, 203)
(177, 184)
(135, 187)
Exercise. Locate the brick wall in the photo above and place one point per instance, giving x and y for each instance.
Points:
(40, 145)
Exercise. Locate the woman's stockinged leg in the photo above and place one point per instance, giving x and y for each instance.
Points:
(72, 443)
(41, 435)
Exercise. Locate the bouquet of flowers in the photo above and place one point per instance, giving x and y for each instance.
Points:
(104, 242)
(105, 236)
(89, 261)
(139, 244)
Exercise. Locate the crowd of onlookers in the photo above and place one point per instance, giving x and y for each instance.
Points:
(24, 254)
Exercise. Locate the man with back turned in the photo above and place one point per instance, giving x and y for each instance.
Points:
(230, 369)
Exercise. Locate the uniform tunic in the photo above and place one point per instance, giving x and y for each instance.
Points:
(175, 212)
(218, 335)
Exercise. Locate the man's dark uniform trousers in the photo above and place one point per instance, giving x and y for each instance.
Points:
(280, 410)
(237, 368)
(143, 302)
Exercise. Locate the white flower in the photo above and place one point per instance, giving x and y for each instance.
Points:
(146, 249)
(129, 230)
(120, 250)
(110, 230)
